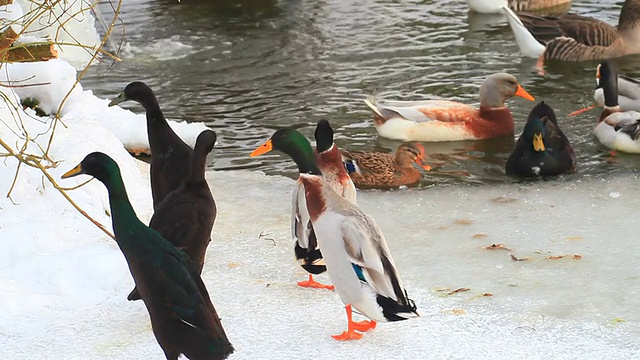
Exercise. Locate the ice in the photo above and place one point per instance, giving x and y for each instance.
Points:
(540, 308)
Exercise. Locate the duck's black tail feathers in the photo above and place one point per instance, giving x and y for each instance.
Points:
(394, 311)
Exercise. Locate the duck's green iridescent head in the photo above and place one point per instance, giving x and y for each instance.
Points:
(98, 165)
(294, 144)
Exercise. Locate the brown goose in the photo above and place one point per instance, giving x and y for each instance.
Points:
(572, 37)
(376, 170)
(495, 6)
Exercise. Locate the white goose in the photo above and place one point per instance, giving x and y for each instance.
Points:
(616, 129)
(355, 251)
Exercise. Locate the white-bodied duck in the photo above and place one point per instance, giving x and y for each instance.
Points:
(329, 160)
(444, 120)
(355, 251)
(616, 129)
(628, 94)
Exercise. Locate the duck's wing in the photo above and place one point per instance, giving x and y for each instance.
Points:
(628, 87)
(368, 251)
(182, 289)
(584, 30)
(420, 111)
(558, 141)
(368, 162)
(627, 122)
(306, 250)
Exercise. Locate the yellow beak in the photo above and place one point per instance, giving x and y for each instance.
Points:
(538, 144)
(73, 172)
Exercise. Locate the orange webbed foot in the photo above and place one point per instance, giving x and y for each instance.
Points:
(583, 110)
(314, 284)
(348, 335)
(365, 325)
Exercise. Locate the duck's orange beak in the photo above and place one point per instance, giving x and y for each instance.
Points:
(523, 94)
(578, 112)
(422, 157)
(262, 149)
(598, 72)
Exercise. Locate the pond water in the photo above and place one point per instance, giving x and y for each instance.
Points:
(247, 67)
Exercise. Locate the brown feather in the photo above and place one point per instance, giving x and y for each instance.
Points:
(381, 170)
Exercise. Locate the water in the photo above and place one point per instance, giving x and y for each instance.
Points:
(247, 67)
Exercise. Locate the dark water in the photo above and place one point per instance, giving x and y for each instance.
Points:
(247, 67)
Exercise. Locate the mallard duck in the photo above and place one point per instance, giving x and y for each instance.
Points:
(495, 6)
(384, 171)
(628, 94)
(571, 37)
(355, 251)
(185, 217)
(306, 247)
(542, 149)
(616, 129)
(443, 120)
(183, 318)
(170, 156)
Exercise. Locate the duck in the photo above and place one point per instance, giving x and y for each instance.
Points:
(542, 149)
(495, 6)
(329, 160)
(186, 216)
(377, 170)
(183, 318)
(628, 94)
(355, 251)
(572, 37)
(616, 129)
(170, 155)
(444, 120)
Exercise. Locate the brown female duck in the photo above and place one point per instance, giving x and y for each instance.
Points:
(381, 170)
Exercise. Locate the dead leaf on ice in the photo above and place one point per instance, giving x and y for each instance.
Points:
(496, 247)
(458, 290)
(514, 258)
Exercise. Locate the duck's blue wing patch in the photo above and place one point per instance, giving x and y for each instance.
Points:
(358, 270)
(349, 166)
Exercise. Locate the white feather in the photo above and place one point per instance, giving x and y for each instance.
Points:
(529, 46)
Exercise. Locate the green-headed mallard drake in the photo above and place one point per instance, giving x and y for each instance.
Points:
(445, 120)
(170, 156)
(495, 6)
(355, 251)
(571, 37)
(376, 170)
(183, 318)
(616, 129)
(542, 149)
(329, 161)
(185, 217)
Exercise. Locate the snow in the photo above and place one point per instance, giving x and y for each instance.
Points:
(70, 20)
(64, 282)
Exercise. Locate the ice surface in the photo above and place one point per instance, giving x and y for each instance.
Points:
(65, 285)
